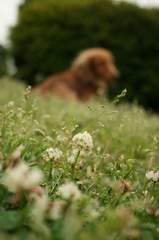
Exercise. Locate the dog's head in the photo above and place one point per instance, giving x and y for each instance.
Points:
(95, 66)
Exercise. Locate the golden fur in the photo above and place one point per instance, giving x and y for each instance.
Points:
(89, 75)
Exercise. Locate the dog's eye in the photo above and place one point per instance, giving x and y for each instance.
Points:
(102, 63)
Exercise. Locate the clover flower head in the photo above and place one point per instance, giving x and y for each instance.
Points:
(52, 154)
(70, 191)
(54, 210)
(152, 175)
(20, 178)
(39, 208)
(71, 159)
(82, 141)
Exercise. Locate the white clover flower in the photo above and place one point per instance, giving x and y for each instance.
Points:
(39, 207)
(20, 178)
(70, 191)
(152, 175)
(34, 177)
(82, 141)
(71, 159)
(43, 208)
(52, 154)
(55, 209)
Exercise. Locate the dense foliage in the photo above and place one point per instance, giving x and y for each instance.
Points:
(50, 33)
(71, 171)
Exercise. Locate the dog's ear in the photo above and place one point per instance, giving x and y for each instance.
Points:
(83, 69)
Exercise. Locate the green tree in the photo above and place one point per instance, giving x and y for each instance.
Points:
(3, 61)
(50, 33)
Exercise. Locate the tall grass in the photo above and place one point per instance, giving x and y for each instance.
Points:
(75, 171)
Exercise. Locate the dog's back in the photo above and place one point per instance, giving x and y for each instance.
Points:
(88, 76)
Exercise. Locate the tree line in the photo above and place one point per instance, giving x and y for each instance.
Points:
(50, 33)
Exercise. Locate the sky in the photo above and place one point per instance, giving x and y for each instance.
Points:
(9, 10)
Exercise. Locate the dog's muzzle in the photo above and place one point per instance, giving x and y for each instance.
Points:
(117, 76)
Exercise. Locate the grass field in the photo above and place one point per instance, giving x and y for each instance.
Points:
(73, 171)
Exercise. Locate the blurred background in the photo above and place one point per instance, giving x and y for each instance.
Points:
(42, 37)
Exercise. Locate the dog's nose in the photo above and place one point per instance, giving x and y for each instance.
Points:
(117, 75)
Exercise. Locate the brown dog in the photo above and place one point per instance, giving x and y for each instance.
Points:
(90, 74)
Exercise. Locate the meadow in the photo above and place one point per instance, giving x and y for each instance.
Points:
(73, 171)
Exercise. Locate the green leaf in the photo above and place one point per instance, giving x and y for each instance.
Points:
(9, 220)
